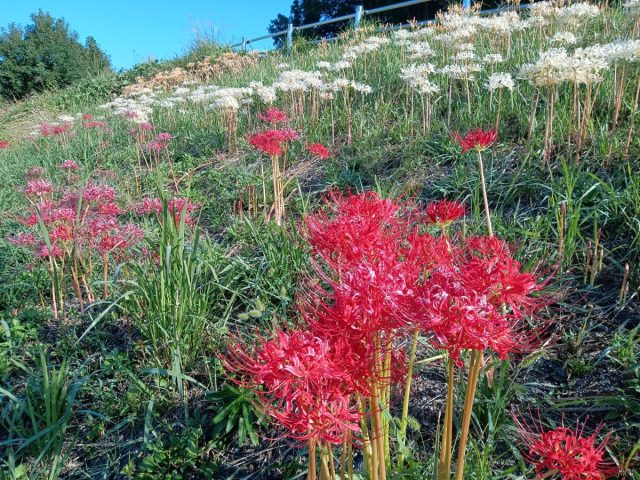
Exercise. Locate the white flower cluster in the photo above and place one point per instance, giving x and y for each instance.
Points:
(417, 77)
(419, 50)
(298, 81)
(548, 70)
(368, 45)
(500, 80)
(334, 67)
(574, 14)
(633, 6)
(461, 71)
(405, 36)
(264, 93)
(566, 38)
(492, 58)
(503, 24)
(341, 84)
(555, 66)
(138, 107)
(230, 98)
(541, 14)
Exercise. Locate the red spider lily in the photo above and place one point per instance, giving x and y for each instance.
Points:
(87, 116)
(444, 212)
(164, 137)
(268, 142)
(492, 271)
(300, 383)
(459, 318)
(23, 239)
(288, 134)
(4, 144)
(34, 173)
(98, 193)
(38, 187)
(155, 146)
(318, 150)
(44, 251)
(54, 129)
(273, 116)
(565, 453)
(271, 141)
(176, 207)
(473, 296)
(477, 139)
(96, 124)
(69, 165)
(359, 227)
(368, 274)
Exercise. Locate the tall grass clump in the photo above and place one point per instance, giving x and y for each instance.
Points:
(37, 418)
(173, 293)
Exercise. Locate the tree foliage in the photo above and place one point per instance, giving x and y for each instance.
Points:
(309, 11)
(45, 54)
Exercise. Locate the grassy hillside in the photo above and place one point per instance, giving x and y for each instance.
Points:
(146, 238)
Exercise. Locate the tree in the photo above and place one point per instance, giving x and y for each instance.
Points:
(309, 11)
(43, 55)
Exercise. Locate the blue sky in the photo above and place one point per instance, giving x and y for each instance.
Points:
(131, 31)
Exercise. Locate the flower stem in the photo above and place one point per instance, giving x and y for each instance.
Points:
(407, 391)
(472, 382)
(484, 194)
(311, 473)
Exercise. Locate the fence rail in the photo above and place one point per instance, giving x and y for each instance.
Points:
(357, 18)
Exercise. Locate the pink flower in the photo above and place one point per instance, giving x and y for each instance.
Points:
(69, 165)
(148, 205)
(38, 187)
(98, 193)
(23, 239)
(35, 172)
(155, 146)
(54, 129)
(96, 124)
(4, 144)
(164, 137)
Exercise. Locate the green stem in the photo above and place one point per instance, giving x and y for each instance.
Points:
(472, 382)
(407, 391)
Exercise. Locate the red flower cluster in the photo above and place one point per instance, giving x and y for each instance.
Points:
(271, 142)
(273, 116)
(69, 165)
(444, 212)
(159, 143)
(318, 150)
(4, 144)
(177, 206)
(477, 139)
(54, 129)
(77, 221)
(99, 124)
(301, 384)
(567, 454)
(380, 276)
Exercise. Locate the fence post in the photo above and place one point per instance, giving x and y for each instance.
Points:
(466, 4)
(358, 17)
(289, 36)
(244, 44)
